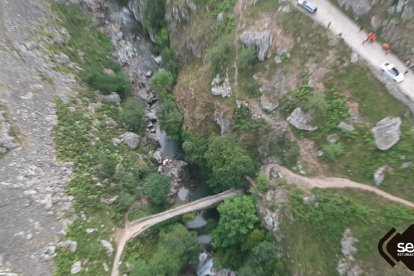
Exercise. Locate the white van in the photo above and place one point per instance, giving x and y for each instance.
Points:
(307, 6)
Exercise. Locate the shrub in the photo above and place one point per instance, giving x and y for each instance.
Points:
(247, 59)
(156, 188)
(162, 83)
(105, 167)
(262, 183)
(152, 13)
(124, 202)
(220, 55)
(170, 119)
(333, 151)
(132, 114)
(170, 62)
(98, 80)
(229, 163)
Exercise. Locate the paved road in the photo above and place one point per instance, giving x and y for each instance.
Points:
(136, 227)
(332, 183)
(372, 53)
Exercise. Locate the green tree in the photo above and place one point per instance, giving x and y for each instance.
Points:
(229, 163)
(170, 119)
(162, 82)
(262, 261)
(153, 15)
(157, 187)
(132, 114)
(123, 202)
(194, 148)
(170, 62)
(247, 59)
(177, 247)
(219, 56)
(237, 220)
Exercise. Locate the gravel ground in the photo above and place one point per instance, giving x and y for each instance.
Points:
(32, 200)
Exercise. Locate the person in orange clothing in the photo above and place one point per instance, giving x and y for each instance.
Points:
(386, 47)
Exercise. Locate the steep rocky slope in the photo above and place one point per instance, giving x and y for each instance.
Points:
(32, 181)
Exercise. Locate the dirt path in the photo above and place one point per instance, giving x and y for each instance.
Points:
(372, 53)
(134, 228)
(332, 183)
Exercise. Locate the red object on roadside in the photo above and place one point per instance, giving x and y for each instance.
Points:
(372, 37)
(386, 46)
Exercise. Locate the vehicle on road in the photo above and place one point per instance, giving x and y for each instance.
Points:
(307, 6)
(392, 72)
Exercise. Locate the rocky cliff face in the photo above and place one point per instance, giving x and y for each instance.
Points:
(392, 20)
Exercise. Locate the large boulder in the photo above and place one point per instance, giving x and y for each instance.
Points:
(131, 139)
(301, 120)
(261, 40)
(113, 98)
(387, 132)
(108, 247)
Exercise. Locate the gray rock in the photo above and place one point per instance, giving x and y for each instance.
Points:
(113, 98)
(221, 118)
(116, 142)
(220, 17)
(358, 7)
(131, 139)
(62, 59)
(76, 267)
(300, 120)
(183, 193)
(158, 59)
(266, 104)
(387, 132)
(105, 267)
(354, 57)
(261, 40)
(332, 138)
(345, 127)
(204, 239)
(7, 142)
(379, 174)
(400, 6)
(90, 230)
(108, 247)
(198, 222)
(157, 156)
(408, 13)
(221, 87)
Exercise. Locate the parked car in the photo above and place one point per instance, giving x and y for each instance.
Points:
(392, 72)
(307, 6)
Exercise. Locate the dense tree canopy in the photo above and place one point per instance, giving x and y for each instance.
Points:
(170, 118)
(237, 220)
(177, 247)
(152, 12)
(262, 261)
(157, 187)
(229, 163)
(162, 82)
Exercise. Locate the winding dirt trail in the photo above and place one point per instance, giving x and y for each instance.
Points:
(332, 183)
(134, 228)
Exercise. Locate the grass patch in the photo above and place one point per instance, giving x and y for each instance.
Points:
(92, 50)
(313, 237)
